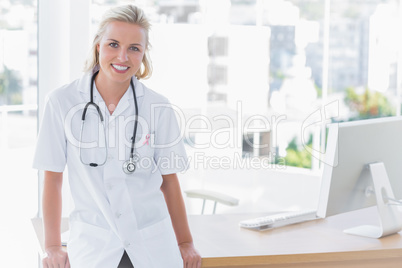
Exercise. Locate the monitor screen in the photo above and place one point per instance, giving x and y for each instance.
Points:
(351, 146)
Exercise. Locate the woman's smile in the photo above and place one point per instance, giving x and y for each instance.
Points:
(120, 68)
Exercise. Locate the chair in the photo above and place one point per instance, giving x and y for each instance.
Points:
(213, 196)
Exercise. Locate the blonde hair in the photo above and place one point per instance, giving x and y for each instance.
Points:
(129, 14)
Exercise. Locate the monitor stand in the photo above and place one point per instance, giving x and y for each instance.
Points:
(390, 216)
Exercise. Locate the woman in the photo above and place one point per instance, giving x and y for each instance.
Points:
(120, 141)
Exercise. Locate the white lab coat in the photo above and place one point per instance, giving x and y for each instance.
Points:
(114, 211)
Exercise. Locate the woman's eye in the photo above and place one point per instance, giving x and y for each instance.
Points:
(114, 45)
(134, 48)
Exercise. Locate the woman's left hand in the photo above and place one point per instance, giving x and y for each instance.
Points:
(191, 257)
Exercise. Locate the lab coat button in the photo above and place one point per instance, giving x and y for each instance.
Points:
(118, 215)
(127, 244)
(109, 157)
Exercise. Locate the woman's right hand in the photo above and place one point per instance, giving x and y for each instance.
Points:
(55, 257)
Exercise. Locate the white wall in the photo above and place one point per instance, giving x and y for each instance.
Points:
(179, 56)
(248, 68)
(63, 41)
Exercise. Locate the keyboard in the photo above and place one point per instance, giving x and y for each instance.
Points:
(278, 220)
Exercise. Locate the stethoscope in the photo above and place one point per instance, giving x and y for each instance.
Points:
(129, 165)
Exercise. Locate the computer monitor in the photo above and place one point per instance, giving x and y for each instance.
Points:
(362, 168)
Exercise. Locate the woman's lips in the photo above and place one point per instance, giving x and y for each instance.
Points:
(120, 68)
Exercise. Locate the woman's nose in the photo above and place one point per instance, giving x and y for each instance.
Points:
(122, 55)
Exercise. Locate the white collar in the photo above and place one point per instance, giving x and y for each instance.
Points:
(84, 86)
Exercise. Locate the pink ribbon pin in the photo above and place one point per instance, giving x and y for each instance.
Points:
(147, 139)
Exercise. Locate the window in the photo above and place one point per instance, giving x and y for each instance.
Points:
(217, 75)
(217, 46)
(18, 128)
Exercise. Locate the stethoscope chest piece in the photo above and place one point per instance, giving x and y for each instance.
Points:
(129, 166)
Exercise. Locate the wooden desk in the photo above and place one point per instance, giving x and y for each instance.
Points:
(320, 243)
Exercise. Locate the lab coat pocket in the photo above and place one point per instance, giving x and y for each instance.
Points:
(86, 243)
(161, 244)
